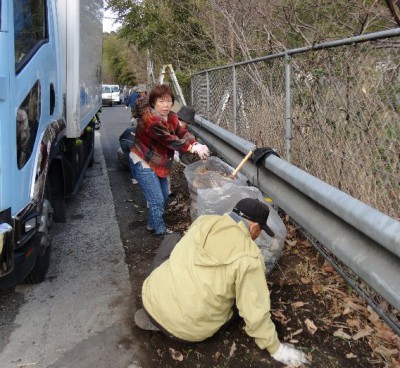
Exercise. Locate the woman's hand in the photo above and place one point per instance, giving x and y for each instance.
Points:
(201, 149)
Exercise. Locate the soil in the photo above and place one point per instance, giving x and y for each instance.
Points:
(312, 306)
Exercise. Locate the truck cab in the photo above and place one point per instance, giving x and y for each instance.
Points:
(39, 161)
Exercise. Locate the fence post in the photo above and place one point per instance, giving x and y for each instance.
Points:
(191, 92)
(234, 97)
(208, 94)
(288, 110)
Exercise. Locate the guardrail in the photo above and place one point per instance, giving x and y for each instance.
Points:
(364, 239)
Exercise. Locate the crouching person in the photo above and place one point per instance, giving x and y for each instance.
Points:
(197, 282)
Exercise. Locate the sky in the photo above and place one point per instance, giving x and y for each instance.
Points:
(108, 21)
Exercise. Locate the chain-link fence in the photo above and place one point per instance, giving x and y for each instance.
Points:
(333, 112)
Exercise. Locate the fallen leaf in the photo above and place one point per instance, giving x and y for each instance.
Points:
(278, 314)
(233, 349)
(362, 333)
(297, 332)
(315, 289)
(346, 311)
(353, 322)
(340, 333)
(298, 304)
(310, 326)
(293, 341)
(175, 354)
(217, 356)
(352, 303)
(327, 267)
(351, 356)
(291, 242)
(304, 280)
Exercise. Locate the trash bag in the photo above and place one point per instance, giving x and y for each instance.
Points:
(213, 191)
(212, 173)
(220, 200)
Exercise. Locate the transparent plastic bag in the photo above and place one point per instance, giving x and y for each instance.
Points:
(212, 173)
(220, 200)
(212, 191)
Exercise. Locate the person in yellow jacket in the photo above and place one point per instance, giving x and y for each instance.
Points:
(197, 282)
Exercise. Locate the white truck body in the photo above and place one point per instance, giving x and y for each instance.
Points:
(80, 23)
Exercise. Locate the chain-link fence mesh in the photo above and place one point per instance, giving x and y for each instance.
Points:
(345, 115)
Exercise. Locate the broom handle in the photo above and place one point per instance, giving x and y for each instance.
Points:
(234, 172)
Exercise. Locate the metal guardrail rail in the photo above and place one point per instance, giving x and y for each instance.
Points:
(364, 239)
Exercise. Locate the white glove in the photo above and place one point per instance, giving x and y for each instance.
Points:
(287, 354)
(201, 149)
(176, 157)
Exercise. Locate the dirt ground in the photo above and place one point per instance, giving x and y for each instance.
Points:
(312, 307)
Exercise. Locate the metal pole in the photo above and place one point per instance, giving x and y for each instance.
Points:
(288, 110)
(191, 92)
(234, 96)
(208, 94)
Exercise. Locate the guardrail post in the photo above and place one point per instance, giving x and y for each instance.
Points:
(288, 110)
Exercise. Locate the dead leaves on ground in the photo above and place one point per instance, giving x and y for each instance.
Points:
(345, 316)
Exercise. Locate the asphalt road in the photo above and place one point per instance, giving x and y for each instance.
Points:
(81, 315)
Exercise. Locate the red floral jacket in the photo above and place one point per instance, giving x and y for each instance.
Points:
(156, 140)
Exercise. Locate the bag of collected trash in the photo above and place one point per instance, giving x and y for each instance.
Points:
(220, 200)
(212, 173)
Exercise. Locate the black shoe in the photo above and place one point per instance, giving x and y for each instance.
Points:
(149, 230)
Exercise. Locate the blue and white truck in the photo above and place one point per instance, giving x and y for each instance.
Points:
(50, 98)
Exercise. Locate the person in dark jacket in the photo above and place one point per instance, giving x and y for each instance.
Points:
(126, 142)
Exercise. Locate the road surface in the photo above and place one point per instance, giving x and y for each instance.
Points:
(81, 315)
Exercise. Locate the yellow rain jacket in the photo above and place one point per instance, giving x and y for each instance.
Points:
(215, 264)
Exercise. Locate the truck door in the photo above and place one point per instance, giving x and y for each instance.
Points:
(34, 90)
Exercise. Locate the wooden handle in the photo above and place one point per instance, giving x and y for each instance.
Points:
(234, 172)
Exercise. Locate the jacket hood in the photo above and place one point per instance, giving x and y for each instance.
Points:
(219, 240)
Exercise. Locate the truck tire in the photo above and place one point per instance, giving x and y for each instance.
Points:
(42, 263)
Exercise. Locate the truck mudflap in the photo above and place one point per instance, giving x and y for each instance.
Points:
(6, 249)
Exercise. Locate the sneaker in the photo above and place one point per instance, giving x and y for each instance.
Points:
(134, 181)
(166, 232)
(143, 322)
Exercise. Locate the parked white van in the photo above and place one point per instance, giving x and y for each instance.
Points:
(116, 98)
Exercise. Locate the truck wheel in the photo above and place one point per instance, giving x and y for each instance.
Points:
(42, 263)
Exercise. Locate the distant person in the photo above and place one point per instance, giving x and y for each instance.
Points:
(158, 136)
(131, 101)
(140, 102)
(200, 283)
(125, 94)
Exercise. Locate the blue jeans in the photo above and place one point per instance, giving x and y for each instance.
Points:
(155, 190)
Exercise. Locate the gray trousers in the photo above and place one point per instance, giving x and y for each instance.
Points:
(166, 247)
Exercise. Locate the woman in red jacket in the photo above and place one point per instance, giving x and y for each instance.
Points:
(158, 136)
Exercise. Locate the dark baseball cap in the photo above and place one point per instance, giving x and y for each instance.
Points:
(255, 211)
